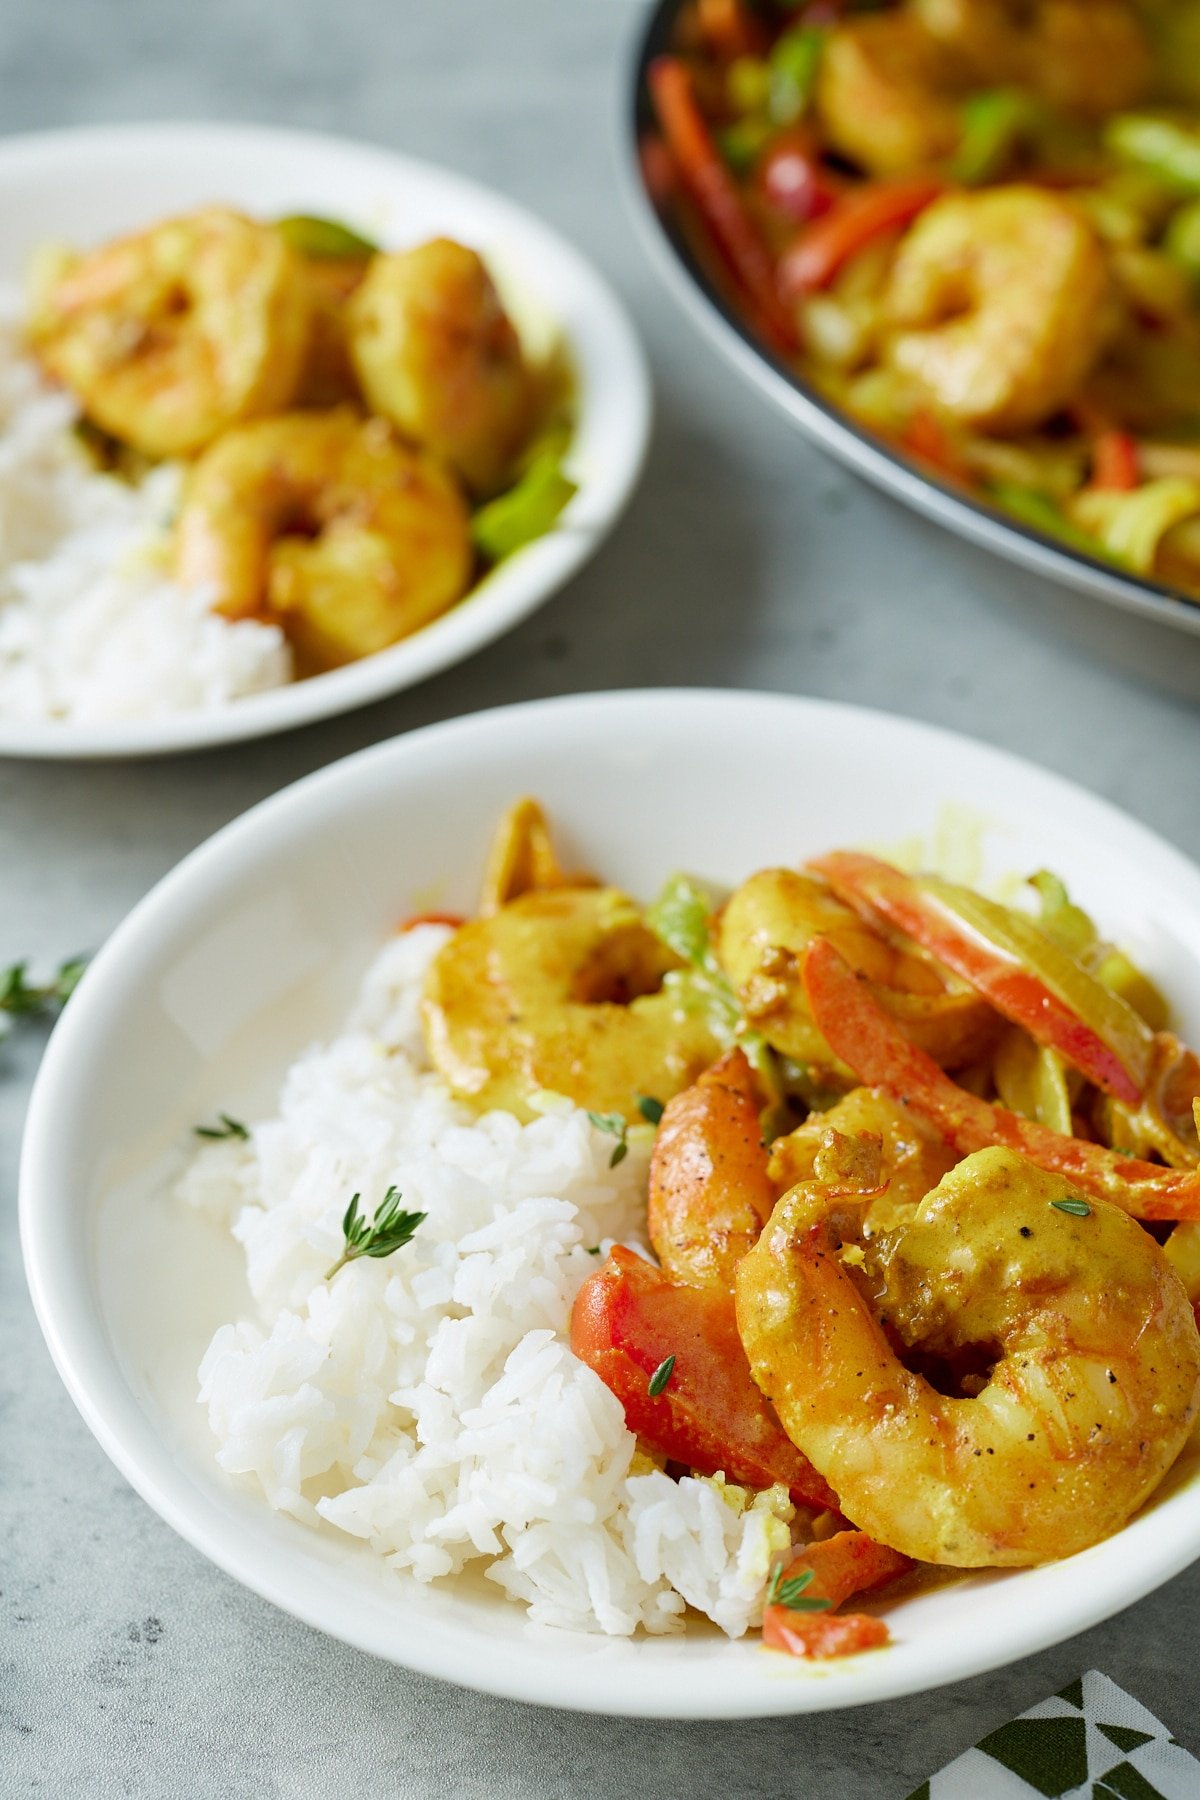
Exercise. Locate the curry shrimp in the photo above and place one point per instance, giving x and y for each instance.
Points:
(886, 93)
(710, 1191)
(328, 523)
(761, 933)
(998, 305)
(436, 352)
(172, 335)
(1085, 1375)
(567, 990)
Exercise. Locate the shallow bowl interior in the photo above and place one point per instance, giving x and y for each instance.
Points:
(249, 951)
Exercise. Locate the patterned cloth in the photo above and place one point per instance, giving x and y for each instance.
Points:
(1091, 1742)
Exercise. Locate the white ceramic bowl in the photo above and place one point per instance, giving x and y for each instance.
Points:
(250, 949)
(84, 186)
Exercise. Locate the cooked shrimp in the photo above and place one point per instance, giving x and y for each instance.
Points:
(914, 1157)
(438, 355)
(172, 335)
(885, 94)
(1002, 303)
(328, 524)
(563, 990)
(1088, 1351)
(1085, 56)
(710, 1193)
(761, 934)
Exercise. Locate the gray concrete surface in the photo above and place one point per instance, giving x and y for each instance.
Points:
(127, 1665)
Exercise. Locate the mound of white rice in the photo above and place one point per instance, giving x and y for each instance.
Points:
(429, 1403)
(91, 628)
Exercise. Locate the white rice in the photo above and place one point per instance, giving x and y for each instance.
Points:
(91, 628)
(429, 1403)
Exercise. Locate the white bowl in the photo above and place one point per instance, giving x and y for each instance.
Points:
(84, 186)
(250, 949)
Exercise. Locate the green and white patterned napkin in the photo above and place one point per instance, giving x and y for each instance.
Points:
(1091, 1742)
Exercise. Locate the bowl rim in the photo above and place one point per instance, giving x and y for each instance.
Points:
(510, 593)
(828, 426)
(101, 1391)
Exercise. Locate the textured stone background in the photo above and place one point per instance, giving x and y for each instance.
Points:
(127, 1665)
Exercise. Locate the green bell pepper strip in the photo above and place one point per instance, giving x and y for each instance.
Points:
(793, 64)
(1170, 147)
(1035, 510)
(526, 511)
(324, 240)
(992, 124)
(1182, 238)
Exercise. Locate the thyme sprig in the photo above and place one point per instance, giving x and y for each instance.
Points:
(790, 1593)
(389, 1230)
(616, 1125)
(21, 998)
(225, 1128)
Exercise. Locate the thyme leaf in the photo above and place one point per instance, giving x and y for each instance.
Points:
(661, 1376)
(651, 1109)
(1079, 1209)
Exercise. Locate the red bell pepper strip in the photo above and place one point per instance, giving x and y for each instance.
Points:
(712, 187)
(862, 215)
(926, 438)
(628, 1319)
(847, 1563)
(659, 173)
(1115, 461)
(920, 909)
(858, 1030)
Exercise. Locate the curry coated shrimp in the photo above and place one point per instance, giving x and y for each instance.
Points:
(437, 354)
(710, 1189)
(563, 990)
(761, 933)
(886, 93)
(913, 1156)
(1086, 56)
(325, 522)
(1088, 1360)
(1001, 302)
(169, 336)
